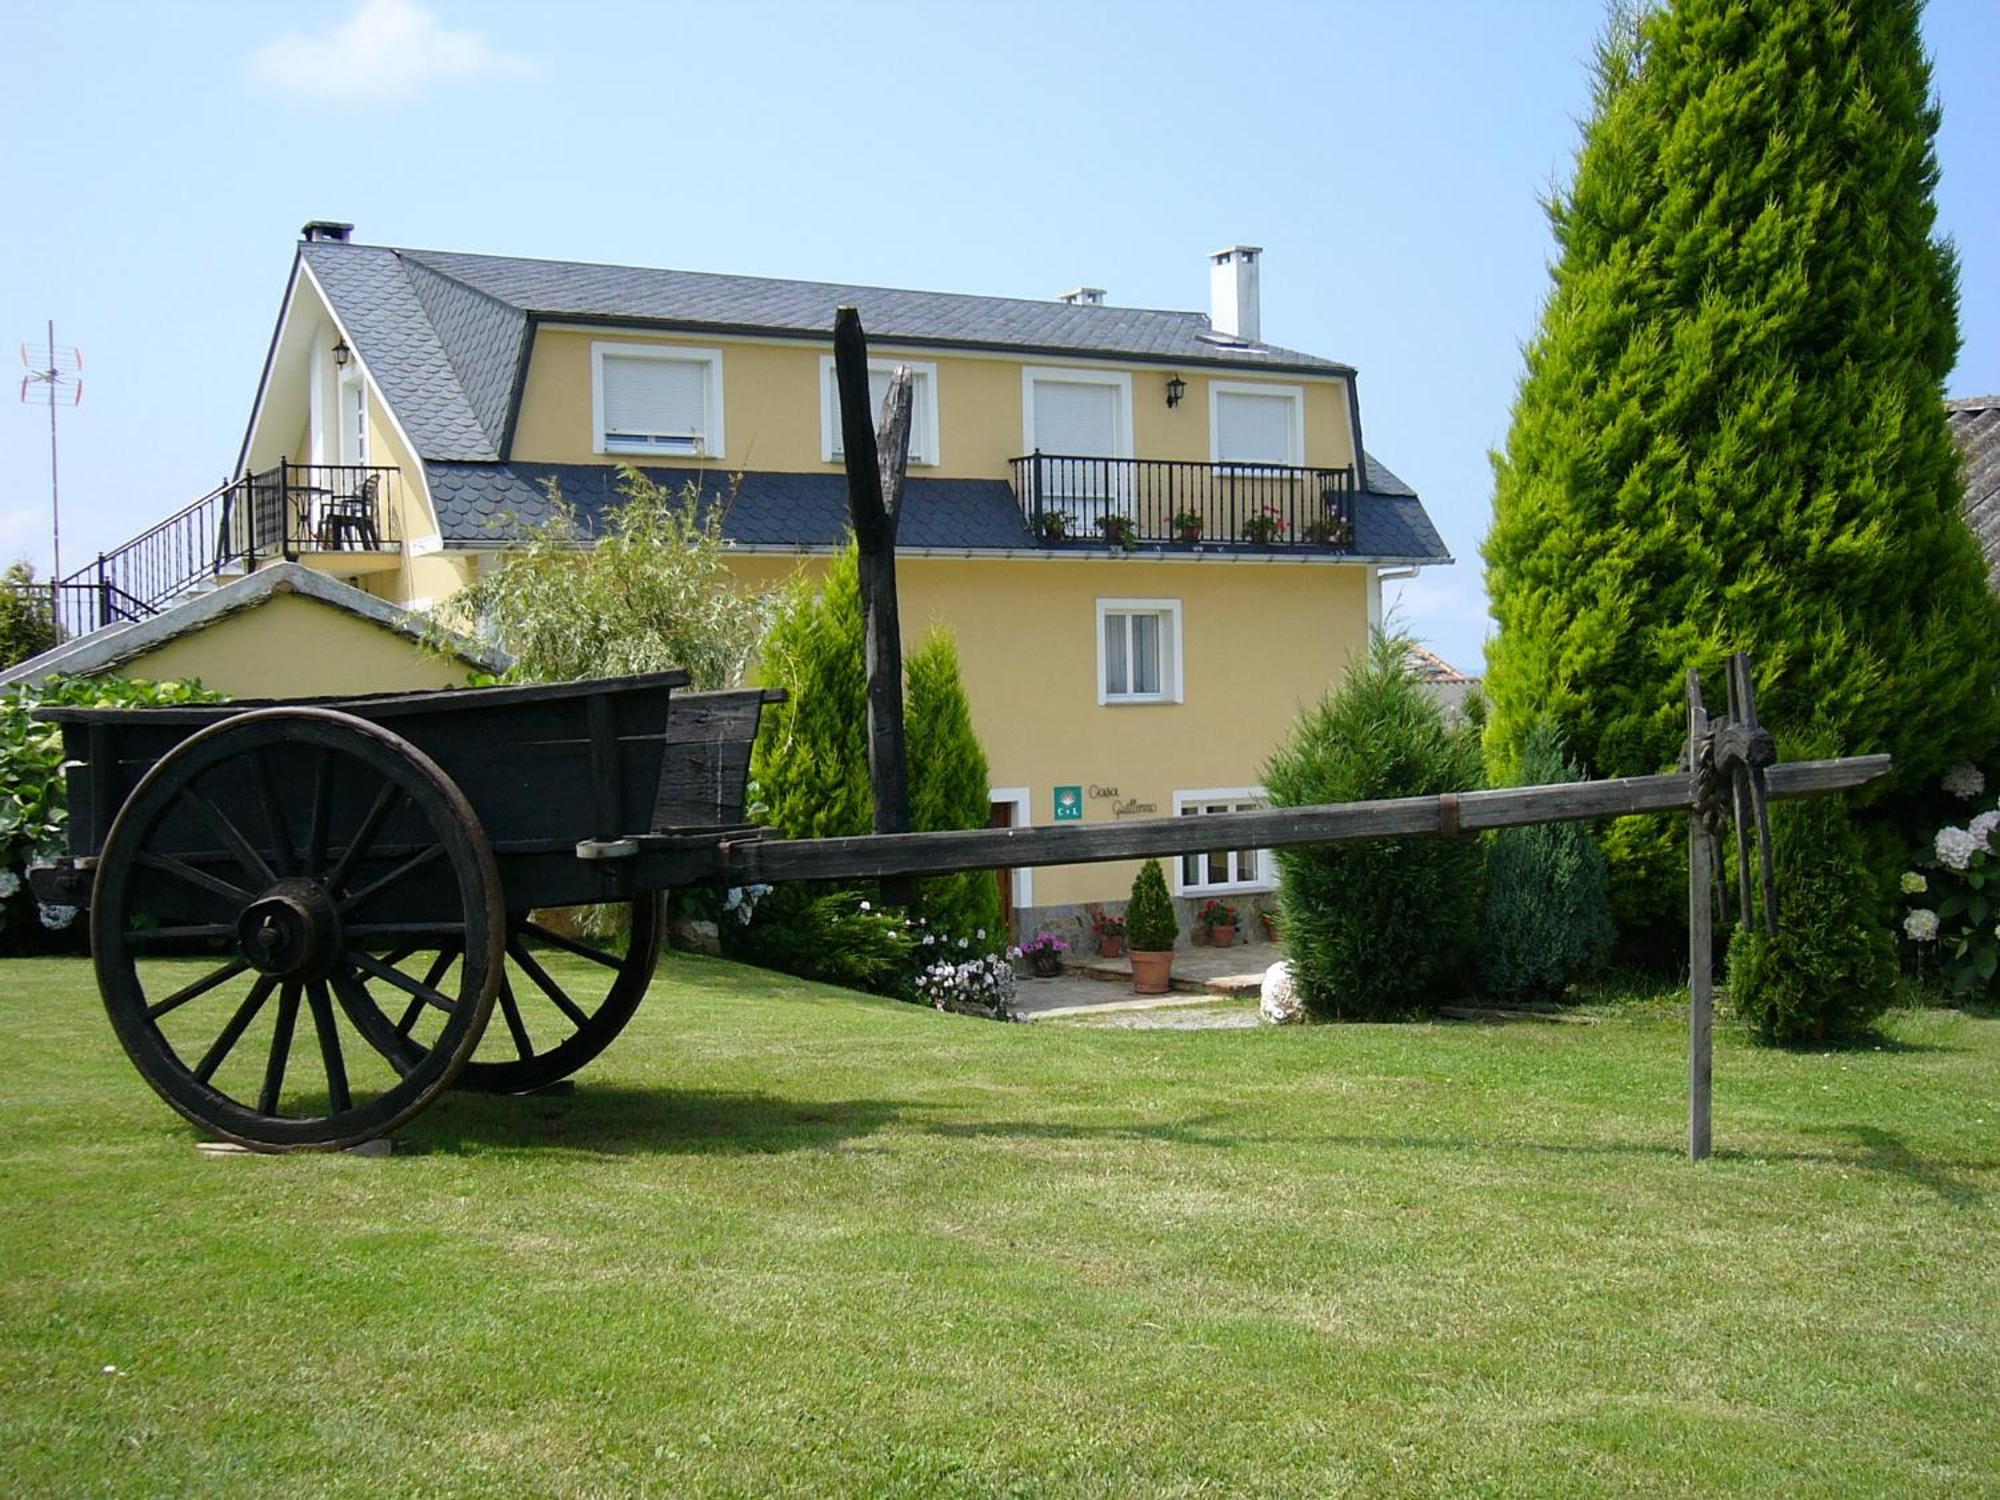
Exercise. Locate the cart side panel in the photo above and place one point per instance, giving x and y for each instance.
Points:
(706, 767)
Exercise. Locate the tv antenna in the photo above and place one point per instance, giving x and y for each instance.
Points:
(54, 380)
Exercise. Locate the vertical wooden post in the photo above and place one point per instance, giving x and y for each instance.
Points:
(1700, 939)
(874, 503)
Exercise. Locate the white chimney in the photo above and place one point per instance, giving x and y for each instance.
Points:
(1232, 292)
(1083, 296)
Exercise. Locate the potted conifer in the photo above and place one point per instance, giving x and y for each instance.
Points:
(1150, 931)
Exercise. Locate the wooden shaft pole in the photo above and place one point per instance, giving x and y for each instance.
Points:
(1701, 1006)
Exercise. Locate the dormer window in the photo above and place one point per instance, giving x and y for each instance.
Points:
(653, 398)
(923, 405)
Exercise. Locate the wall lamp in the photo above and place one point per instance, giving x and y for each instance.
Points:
(1176, 388)
(341, 353)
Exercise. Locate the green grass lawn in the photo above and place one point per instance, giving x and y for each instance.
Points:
(787, 1240)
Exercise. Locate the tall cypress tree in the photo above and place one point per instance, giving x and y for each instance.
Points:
(1730, 434)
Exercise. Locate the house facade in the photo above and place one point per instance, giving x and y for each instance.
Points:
(1154, 534)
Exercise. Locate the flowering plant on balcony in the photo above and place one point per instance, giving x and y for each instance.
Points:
(1214, 914)
(1188, 523)
(1328, 531)
(1118, 531)
(1044, 951)
(1265, 526)
(1052, 525)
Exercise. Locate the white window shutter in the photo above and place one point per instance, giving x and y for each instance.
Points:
(1253, 429)
(655, 399)
(1076, 417)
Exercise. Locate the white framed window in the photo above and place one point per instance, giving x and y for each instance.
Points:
(651, 398)
(1138, 651)
(923, 405)
(1077, 416)
(352, 444)
(1255, 423)
(1222, 870)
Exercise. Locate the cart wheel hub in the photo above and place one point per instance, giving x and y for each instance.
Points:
(290, 932)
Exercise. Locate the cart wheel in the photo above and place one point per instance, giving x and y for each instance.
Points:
(557, 1014)
(245, 880)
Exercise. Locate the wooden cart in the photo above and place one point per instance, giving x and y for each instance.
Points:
(370, 878)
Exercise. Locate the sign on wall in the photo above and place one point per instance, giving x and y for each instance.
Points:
(1069, 804)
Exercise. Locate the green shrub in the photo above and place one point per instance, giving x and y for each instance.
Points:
(1376, 928)
(27, 628)
(1831, 970)
(1546, 921)
(950, 786)
(811, 755)
(1150, 923)
(34, 800)
(836, 936)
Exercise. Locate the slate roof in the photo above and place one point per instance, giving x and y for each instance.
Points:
(485, 504)
(445, 336)
(1975, 423)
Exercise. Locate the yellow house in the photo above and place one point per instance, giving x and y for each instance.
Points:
(1154, 534)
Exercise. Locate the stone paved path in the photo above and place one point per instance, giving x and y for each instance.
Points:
(1101, 988)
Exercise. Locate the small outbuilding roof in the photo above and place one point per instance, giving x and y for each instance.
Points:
(106, 650)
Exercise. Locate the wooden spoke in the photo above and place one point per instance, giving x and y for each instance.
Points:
(274, 812)
(281, 1050)
(155, 937)
(355, 997)
(408, 867)
(238, 1023)
(322, 811)
(443, 961)
(329, 1047)
(246, 855)
(181, 870)
(369, 964)
(511, 1009)
(385, 803)
(569, 944)
(577, 1015)
(200, 987)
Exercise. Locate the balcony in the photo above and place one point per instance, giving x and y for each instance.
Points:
(1226, 508)
(300, 511)
(343, 518)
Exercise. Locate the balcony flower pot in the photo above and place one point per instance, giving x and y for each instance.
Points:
(1110, 946)
(1187, 526)
(1047, 965)
(1152, 972)
(1218, 920)
(1044, 954)
(1222, 937)
(1117, 531)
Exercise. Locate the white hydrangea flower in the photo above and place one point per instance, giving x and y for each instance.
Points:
(1965, 781)
(56, 917)
(1914, 884)
(1921, 925)
(9, 884)
(1955, 847)
(866, 907)
(1982, 828)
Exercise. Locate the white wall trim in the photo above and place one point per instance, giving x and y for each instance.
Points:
(1296, 394)
(923, 415)
(1374, 601)
(1173, 681)
(1078, 375)
(1182, 800)
(1021, 799)
(713, 444)
(418, 480)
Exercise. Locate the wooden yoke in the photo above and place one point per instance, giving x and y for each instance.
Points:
(875, 470)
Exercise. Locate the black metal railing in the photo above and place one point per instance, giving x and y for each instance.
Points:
(1079, 501)
(297, 508)
(281, 512)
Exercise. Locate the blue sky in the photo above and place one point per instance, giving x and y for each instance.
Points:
(160, 159)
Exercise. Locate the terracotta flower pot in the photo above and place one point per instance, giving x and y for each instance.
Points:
(1111, 947)
(1222, 937)
(1152, 972)
(1047, 964)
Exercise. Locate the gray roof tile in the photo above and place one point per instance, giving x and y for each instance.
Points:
(1975, 422)
(489, 504)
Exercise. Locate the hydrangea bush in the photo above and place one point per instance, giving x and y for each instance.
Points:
(34, 801)
(1951, 921)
